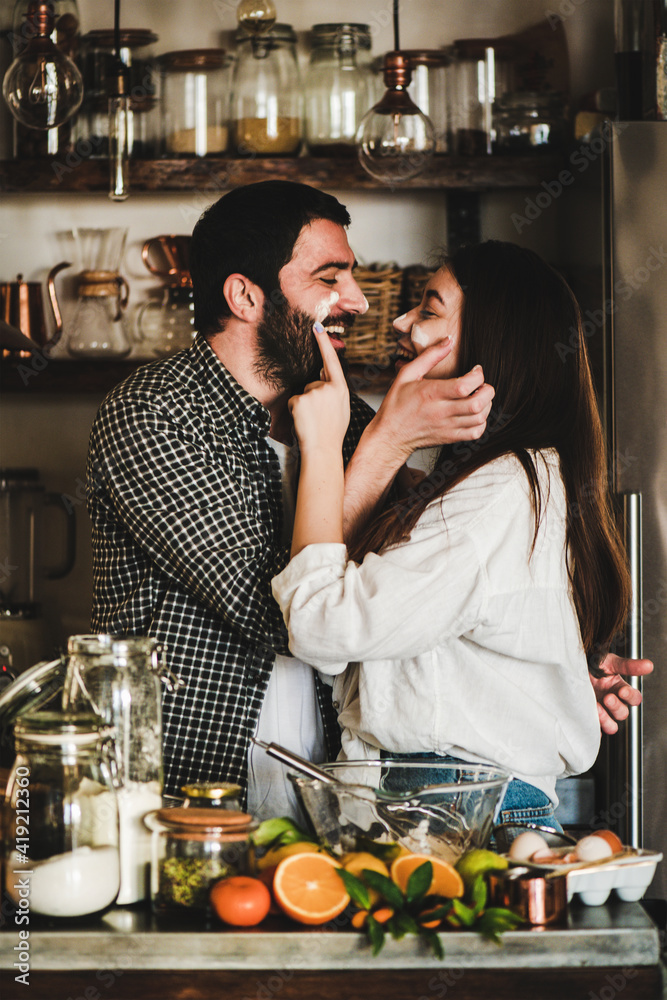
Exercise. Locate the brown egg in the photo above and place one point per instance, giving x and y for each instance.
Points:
(612, 839)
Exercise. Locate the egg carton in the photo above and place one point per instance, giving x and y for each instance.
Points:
(628, 875)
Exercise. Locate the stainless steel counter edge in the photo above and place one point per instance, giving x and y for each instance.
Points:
(595, 936)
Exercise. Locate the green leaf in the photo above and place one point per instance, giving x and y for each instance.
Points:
(356, 889)
(434, 940)
(463, 912)
(419, 882)
(375, 933)
(495, 921)
(478, 894)
(406, 922)
(387, 889)
(436, 912)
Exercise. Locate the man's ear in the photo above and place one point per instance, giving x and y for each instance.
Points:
(244, 298)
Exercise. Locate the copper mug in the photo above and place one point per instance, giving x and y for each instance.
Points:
(168, 257)
(22, 306)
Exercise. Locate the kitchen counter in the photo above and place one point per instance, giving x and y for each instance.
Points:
(600, 953)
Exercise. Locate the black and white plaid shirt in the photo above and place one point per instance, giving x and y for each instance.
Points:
(185, 498)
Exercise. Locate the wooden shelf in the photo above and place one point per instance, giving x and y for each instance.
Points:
(483, 173)
(96, 378)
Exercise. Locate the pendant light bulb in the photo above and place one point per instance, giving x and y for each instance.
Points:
(395, 140)
(256, 16)
(42, 87)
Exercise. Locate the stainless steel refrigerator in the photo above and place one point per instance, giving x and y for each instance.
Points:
(633, 316)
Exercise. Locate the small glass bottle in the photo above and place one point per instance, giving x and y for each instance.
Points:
(195, 102)
(191, 850)
(266, 93)
(120, 677)
(338, 86)
(61, 835)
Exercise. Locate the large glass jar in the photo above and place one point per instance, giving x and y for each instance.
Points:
(266, 93)
(191, 850)
(61, 817)
(33, 142)
(483, 72)
(339, 87)
(120, 678)
(137, 53)
(429, 90)
(195, 102)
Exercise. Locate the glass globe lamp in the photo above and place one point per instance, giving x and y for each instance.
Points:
(42, 87)
(395, 140)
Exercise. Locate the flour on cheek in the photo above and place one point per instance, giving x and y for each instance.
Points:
(326, 306)
(418, 336)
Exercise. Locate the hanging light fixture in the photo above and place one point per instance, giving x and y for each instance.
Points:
(42, 87)
(395, 140)
(119, 121)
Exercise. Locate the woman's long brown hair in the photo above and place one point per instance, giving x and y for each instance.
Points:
(521, 322)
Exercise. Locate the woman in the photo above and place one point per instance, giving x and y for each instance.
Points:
(470, 607)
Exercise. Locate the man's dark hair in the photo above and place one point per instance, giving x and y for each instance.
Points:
(251, 230)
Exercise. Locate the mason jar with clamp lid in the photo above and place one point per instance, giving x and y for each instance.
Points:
(266, 93)
(61, 836)
(120, 676)
(195, 102)
(339, 87)
(191, 850)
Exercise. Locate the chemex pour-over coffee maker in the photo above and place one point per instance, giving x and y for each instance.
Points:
(97, 328)
(166, 324)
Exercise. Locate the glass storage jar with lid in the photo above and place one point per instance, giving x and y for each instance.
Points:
(429, 90)
(191, 850)
(483, 72)
(212, 795)
(195, 102)
(120, 677)
(137, 53)
(530, 122)
(61, 834)
(338, 86)
(266, 93)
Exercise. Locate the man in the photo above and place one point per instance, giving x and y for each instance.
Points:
(192, 472)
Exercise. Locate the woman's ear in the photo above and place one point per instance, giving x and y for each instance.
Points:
(244, 298)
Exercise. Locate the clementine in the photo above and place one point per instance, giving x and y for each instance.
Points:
(240, 900)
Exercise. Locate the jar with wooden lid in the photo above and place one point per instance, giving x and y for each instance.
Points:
(266, 93)
(192, 849)
(195, 102)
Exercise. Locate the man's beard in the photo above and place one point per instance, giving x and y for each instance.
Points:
(288, 354)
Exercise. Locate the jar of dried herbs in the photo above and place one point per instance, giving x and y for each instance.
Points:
(193, 848)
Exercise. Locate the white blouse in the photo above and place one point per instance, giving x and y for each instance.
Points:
(459, 640)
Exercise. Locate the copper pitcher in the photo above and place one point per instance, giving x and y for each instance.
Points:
(168, 257)
(22, 306)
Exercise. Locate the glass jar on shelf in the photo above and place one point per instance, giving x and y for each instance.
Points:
(195, 102)
(266, 93)
(530, 122)
(429, 89)
(137, 53)
(212, 795)
(483, 73)
(338, 87)
(61, 831)
(191, 850)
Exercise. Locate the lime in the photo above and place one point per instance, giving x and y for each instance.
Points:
(478, 862)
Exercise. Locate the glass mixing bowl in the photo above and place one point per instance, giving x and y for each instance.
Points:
(388, 800)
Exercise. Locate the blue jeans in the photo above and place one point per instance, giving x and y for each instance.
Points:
(522, 803)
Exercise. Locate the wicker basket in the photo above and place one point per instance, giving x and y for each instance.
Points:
(373, 338)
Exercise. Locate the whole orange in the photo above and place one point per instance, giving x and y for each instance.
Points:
(240, 900)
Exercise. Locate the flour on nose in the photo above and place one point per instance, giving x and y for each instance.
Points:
(399, 319)
(418, 336)
(365, 309)
(325, 307)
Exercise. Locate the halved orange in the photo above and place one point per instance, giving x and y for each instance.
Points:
(446, 880)
(308, 889)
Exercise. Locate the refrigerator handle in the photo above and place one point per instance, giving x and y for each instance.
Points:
(629, 761)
